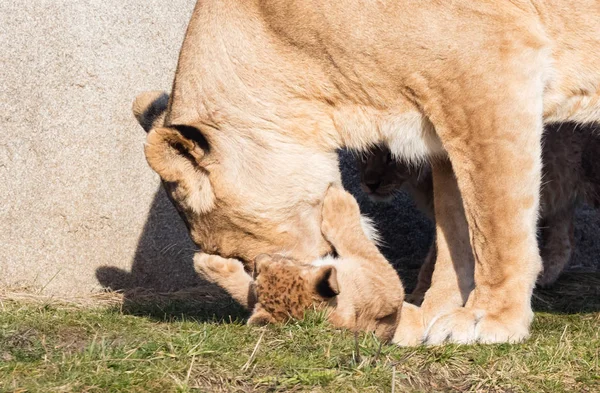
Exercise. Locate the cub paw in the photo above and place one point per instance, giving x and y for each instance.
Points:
(214, 268)
(549, 276)
(340, 213)
(260, 317)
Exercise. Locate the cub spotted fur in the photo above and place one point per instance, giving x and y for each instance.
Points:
(570, 176)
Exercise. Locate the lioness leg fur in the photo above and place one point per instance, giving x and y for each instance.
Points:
(452, 279)
(495, 151)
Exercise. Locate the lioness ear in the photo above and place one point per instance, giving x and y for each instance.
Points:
(326, 284)
(175, 156)
(149, 109)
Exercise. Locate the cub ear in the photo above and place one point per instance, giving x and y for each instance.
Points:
(260, 262)
(149, 109)
(260, 316)
(175, 156)
(326, 283)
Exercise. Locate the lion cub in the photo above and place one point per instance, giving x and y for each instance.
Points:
(285, 288)
(282, 288)
(571, 174)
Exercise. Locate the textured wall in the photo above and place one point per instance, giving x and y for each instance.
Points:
(76, 191)
(79, 207)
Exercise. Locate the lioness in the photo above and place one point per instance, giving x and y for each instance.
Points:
(569, 156)
(266, 91)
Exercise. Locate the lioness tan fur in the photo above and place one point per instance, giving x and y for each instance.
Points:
(266, 91)
(570, 160)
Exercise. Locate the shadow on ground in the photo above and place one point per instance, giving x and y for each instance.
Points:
(162, 283)
(573, 293)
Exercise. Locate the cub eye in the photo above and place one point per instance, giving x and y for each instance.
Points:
(388, 158)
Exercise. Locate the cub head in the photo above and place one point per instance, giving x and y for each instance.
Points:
(381, 175)
(286, 289)
(240, 192)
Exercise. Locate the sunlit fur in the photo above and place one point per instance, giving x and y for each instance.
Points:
(569, 177)
(268, 91)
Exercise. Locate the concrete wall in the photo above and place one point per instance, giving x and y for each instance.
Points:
(80, 209)
(76, 191)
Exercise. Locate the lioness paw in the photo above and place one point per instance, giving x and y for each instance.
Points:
(469, 326)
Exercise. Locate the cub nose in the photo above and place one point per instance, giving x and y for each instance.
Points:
(373, 185)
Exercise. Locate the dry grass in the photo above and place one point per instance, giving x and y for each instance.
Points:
(187, 341)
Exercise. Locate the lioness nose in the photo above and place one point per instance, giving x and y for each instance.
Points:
(373, 185)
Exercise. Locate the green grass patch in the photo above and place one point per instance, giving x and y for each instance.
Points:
(178, 346)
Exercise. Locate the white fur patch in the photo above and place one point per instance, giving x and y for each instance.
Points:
(411, 137)
(327, 260)
(368, 227)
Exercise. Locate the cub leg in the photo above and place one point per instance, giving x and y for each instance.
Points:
(229, 274)
(557, 247)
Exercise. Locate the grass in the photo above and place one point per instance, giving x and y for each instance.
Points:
(176, 344)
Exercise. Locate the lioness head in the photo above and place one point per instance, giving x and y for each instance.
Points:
(233, 202)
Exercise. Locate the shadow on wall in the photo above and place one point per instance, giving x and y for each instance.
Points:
(163, 258)
(162, 283)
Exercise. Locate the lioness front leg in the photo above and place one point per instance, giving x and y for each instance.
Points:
(494, 145)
